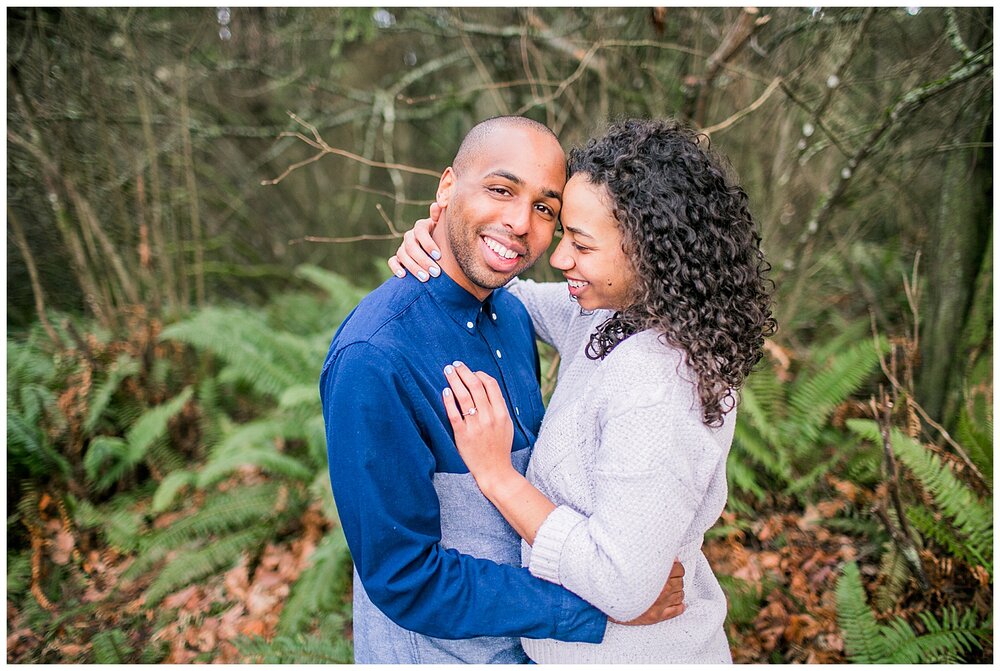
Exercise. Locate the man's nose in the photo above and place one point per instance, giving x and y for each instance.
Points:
(518, 219)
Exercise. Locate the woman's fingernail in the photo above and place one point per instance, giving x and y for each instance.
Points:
(422, 275)
(448, 370)
(400, 274)
(436, 255)
(434, 271)
(457, 364)
(447, 391)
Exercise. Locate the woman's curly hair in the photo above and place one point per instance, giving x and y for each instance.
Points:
(687, 229)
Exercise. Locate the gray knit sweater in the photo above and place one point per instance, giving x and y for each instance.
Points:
(637, 477)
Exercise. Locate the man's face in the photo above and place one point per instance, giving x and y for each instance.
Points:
(502, 209)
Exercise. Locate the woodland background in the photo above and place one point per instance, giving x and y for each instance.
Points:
(196, 198)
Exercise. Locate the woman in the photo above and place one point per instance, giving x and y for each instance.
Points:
(661, 257)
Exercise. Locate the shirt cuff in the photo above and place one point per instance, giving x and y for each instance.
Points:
(550, 539)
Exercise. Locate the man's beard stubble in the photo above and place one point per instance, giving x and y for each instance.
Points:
(464, 244)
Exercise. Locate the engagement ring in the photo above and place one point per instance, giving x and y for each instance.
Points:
(471, 412)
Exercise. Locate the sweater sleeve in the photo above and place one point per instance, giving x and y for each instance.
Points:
(648, 487)
(381, 470)
(550, 307)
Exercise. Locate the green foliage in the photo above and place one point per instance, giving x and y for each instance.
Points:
(863, 641)
(329, 646)
(109, 458)
(971, 518)
(867, 642)
(318, 589)
(782, 427)
(260, 506)
(124, 367)
(111, 647)
(189, 566)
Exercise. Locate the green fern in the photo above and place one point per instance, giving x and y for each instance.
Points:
(319, 649)
(896, 573)
(221, 513)
(968, 514)
(343, 296)
(169, 488)
(111, 647)
(863, 641)
(123, 368)
(317, 590)
(812, 399)
(867, 642)
(190, 566)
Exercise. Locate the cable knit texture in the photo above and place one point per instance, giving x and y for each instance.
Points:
(638, 479)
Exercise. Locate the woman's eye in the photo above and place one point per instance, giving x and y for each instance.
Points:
(580, 248)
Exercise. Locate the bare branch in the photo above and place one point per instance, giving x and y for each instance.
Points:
(771, 88)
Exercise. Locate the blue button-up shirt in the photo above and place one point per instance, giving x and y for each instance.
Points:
(433, 558)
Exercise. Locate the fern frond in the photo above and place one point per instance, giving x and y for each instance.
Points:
(975, 433)
(316, 591)
(955, 635)
(269, 360)
(929, 527)
(304, 394)
(863, 641)
(343, 295)
(169, 487)
(954, 498)
(194, 565)
(152, 426)
(762, 404)
(106, 461)
(223, 512)
(896, 572)
(111, 647)
(27, 445)
(742, 478)
(757, 448)
(269, 460)
(298, 650)
(125, 366)
(813, 398)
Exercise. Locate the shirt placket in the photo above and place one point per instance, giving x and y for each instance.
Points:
(489, 329)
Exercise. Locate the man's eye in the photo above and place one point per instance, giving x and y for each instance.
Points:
(546, 210)
(500, 190)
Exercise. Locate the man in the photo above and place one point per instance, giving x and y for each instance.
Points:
(437, 568)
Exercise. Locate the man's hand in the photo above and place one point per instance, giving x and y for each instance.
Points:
(669, 604)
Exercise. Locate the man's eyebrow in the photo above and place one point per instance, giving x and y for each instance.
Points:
(509, 176)
(514, 179)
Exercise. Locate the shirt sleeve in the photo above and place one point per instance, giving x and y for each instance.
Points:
(648, 488)
(382, 472)
(550, 308)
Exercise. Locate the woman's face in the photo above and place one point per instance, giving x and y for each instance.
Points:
(590, 254)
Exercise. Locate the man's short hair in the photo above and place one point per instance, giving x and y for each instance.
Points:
(475, 140)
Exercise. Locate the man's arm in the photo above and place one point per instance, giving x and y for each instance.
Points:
(382, 476)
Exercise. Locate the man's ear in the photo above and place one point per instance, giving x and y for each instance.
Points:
(445, 187)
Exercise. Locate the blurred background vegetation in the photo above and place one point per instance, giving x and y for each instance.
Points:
(197, 197)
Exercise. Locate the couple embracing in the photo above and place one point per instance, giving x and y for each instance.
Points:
(481, 532)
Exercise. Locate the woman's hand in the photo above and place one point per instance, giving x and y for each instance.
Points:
(418, 251)
(483, 429)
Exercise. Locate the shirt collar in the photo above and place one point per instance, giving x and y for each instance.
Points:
(459, 304)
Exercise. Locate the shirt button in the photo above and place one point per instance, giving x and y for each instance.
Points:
(494, 315)
(499, 355)
(517, 411)
(469, 324)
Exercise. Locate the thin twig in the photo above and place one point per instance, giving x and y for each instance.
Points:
(923, 413)
(325, 149)
(771, 88)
